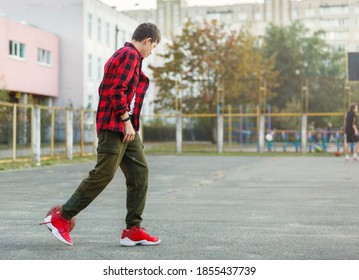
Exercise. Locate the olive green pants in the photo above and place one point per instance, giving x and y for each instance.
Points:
(111, 153)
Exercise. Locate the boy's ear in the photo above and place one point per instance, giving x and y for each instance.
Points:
(148, 41)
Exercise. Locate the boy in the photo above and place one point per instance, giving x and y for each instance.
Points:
(121, 94)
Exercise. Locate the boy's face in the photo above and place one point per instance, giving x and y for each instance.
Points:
(147, 46)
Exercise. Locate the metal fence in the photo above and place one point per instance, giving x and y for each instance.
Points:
(246, 132)
(32, 132)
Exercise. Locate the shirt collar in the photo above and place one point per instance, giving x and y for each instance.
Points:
(128, 44)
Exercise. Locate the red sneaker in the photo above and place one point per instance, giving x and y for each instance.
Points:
(138, 236)
(59, 226)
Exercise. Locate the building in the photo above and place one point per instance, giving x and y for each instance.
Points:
(29, 62)
(89, 32)
(169, 15)
(338, 18)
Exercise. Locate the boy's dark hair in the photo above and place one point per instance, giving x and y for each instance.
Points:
(352, 107)
(147, 30)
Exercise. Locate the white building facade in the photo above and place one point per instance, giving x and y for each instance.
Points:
(338, 18)
(89, 32)
(104, 31)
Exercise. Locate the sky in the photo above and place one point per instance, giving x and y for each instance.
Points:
(151, 4)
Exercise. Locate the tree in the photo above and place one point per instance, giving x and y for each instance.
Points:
(206, 57)
(300, 57)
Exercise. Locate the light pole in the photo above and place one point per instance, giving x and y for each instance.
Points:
(306, 95)
(178, 111)
(220, 103)
(220, 97)
(262, 94)
(305, 92)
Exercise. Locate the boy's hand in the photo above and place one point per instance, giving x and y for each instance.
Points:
(129, 133)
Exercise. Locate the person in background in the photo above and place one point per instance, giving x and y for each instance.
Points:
(329, 132)
(351, 132)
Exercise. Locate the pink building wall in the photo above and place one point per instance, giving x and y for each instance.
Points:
(27, 75)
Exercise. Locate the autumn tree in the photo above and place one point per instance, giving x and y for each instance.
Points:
(304, 59)
(205, 57)
(208, 56)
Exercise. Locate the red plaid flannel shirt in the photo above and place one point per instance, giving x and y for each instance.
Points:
(123, 78)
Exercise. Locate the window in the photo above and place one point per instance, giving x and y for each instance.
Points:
(295, 14)
(123, 36)
(257, 14)
(99, 30)
(89, 26)
(176, 10)
(343, 22)
(310, 24)
(44, 57)
(242, 16)
(89, 101)
(309, 12)
(327, 10)
(341, 36)
(330, 23)
(89, 67)
(214, 16)
(339, 47)
(269, 10)
(99, 68)
(17, 49)
(107, 34)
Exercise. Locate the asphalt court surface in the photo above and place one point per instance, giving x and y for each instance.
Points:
(202, 207)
